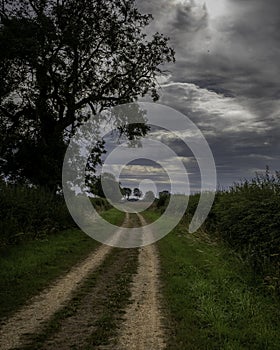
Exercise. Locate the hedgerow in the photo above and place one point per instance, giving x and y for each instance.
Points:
(27, 213)
(247, 217)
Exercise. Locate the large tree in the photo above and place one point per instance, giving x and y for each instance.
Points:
(137, 192)
(60, 62)
(127, 192)
(112, 187)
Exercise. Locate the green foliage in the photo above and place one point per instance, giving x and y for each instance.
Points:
(107, 182)
(126, 191)
(100, 204)
(149, 196)
(163, 200)
(44, 260)
(28, 268)
(62, 62)
(193, 202)
(27, 213)
(247, 217)
(211, 297)
(137, 192)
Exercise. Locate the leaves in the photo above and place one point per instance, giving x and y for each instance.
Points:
(63, 61)
(248, 218)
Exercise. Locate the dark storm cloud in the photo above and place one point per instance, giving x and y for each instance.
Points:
(188, 19)
(226, 80)
(237, 53)
(239, 138)
(243, 51)
(174, 18)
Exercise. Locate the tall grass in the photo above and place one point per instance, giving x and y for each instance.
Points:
(26, 213)
(43, 260)
(247, 217)
(212, 301)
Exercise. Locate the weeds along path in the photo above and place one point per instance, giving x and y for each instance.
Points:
(30, 318)
(142, 328)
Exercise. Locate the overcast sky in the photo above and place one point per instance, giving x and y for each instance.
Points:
(226, 77)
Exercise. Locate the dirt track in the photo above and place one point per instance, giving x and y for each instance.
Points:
(139, 327)
(142, 329)
(41, 308)
(142, 326)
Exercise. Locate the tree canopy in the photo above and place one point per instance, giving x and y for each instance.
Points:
(62, 61)
(149, 196)
(127, 192)
(137, 192)
(107, 180)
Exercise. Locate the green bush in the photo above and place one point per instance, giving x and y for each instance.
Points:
(247, 217)
(100, 204)
(162, 202)
(26, 213)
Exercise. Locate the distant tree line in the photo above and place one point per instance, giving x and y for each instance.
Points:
(114, 189)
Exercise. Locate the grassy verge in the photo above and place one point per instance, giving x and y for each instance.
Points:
(212, 300)
(29, 267)
(114, 216)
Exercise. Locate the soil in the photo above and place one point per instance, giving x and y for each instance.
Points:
(139, 325)
(143, 326)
